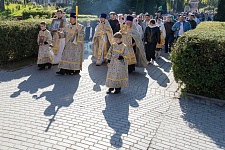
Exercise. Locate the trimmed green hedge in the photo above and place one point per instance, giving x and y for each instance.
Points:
(18, 39)
(198, 60)
(27, 14)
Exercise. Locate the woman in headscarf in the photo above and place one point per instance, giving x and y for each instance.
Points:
(151, 38)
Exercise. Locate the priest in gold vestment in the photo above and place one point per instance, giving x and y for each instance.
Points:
(72, 57)
(131, 38)
(102, 40)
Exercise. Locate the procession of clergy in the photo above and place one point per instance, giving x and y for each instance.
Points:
(120, 45)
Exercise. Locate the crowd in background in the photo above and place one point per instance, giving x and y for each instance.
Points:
(124, 42)
(141, 21)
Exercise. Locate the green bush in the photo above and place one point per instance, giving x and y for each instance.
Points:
(18, 39)
(18, 7)
(27, 14)
(198, 60)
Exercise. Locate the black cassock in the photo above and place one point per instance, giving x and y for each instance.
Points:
(87, 33)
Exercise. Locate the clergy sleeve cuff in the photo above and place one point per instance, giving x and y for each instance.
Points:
(120, 58)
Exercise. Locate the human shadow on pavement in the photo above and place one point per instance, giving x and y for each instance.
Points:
(116, 115)
(6, 76)
(87, 50)
(36, 81)
(158, 75)
(61, 96)
(206, 119)
(117, 109)
(164, 64)
(97, 75)
(138, 81)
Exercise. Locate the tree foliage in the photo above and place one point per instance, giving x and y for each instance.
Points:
(212, 3)
(119, 6)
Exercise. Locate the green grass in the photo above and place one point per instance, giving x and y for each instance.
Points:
(16, 12)
(24, 7)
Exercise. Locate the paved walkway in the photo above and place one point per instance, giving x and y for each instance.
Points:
(41, 110)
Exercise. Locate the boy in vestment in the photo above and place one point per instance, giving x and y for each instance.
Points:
(44, 54)
(117, 75)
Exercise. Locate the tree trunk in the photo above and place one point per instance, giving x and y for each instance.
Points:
(175, 6)
(140, 6)
(2, 5)
(220, 13)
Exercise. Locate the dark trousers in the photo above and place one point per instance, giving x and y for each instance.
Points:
(131, 68)
(168, 42)
(150, 51)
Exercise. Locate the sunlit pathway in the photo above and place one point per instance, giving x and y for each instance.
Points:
(41, 110)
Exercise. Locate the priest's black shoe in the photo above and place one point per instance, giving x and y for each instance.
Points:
(70, 72)
(117, 91)
(60, 73)
(76, 72)
(109, 91)
(42, 68)
(49, 66)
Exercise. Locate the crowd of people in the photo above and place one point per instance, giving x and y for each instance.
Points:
(124, 41)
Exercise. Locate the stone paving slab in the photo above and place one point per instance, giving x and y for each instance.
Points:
(41, 110)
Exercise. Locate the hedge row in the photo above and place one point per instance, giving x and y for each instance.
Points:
(28, 14)
(198, 60)
(18, 39)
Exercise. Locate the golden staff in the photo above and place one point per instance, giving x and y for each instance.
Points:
(75, 38)
(76, 16)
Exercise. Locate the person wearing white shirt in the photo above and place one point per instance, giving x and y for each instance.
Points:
(181, 26)
(146, 22)
(139, 28)
(181, 31)
(88, 32)
(161, 27)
